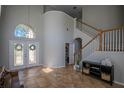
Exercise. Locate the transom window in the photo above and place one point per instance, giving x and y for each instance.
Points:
(24, 31)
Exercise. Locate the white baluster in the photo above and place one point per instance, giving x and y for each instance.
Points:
(119, 40)
(116, 40)
(122, 39)
(110, 40)
(107, 45)
(105, 41)
(113, 39)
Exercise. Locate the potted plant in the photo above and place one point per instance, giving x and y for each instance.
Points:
(77, 65)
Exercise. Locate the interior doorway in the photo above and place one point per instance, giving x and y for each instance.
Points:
(77, 50)
(66, 54)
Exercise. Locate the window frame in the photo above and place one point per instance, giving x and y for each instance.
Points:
(29, 31)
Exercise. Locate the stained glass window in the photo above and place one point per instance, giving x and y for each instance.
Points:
(24, 31)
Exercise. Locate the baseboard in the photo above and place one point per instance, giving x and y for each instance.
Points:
(53, 66)
(119, 83)
(22, 68)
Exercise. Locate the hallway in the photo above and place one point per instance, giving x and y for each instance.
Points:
(41, 77)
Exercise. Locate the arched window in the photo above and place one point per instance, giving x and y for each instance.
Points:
(24, 31)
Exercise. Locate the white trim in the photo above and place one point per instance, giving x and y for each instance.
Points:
(36, 66)
(71, 63)
(56, 11)
(0, 10)
(11, 66)
(53, 66)
(120, 83)
(26, 68)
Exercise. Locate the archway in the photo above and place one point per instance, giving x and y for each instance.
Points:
(77, 50)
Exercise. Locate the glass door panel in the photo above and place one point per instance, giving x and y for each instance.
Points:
(23, 54)
(18, 54)
(32, 54)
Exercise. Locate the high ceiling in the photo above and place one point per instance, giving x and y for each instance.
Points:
(72, 10)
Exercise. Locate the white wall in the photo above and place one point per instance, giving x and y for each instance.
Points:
(50, 29)
(55, 37)
(103, 16)
(11, 17)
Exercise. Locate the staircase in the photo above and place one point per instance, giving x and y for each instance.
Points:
(86, 28)
(110, 40)
(103, 44)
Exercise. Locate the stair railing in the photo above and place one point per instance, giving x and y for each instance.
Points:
(92, 44)
(86, 28)
(112, 39)
(105, 40)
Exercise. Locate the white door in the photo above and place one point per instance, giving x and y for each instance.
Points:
(23, 54)
(32, 54)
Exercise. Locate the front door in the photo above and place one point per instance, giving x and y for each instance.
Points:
(23, 54)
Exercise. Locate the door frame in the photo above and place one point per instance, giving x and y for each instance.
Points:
(71, 53)
(37, 54)
(26, 64)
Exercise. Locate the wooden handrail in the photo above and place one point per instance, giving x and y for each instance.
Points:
(88, 25)
(90, 41)
(109, 30)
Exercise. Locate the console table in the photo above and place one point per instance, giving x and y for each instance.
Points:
(103, 72)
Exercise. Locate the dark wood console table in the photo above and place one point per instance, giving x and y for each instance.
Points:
(103, 72)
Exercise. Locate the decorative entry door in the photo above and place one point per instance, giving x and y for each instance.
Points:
(23, 54)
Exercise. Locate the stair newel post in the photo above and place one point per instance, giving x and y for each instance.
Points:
(100, 41)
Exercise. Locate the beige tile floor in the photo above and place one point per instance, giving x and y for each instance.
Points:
(41, 77)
